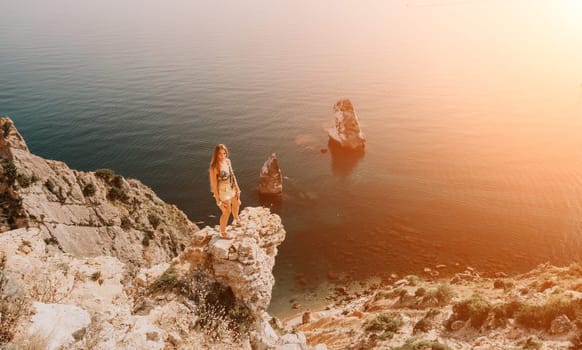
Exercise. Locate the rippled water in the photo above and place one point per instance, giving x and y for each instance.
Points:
(472, 112)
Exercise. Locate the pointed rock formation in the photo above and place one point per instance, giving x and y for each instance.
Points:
(270, 178)
(346, 132)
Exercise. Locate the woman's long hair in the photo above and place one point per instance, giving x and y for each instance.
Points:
(214, 161)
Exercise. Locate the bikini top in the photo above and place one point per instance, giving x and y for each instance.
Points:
(223, 175)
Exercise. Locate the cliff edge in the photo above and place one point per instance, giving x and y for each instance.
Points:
(93, 260)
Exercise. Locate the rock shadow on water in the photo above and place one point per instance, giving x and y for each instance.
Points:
(272, 201)
(343, 161)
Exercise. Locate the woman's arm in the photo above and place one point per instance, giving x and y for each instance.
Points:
(213, 184)
(236, 188)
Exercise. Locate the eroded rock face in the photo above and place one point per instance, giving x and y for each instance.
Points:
(91, 213)
(244, 263)
(270, 177)
(346, 132)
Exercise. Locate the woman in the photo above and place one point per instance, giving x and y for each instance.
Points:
(224, 187)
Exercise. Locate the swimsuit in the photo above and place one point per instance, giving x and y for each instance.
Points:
(225, 185)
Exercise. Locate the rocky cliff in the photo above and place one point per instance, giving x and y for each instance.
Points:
(92, 260)
(538, 310)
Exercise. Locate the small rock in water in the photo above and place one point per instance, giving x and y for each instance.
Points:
(296, 306)
(323, 150)
(270, 177)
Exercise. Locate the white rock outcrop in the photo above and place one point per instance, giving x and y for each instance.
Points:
(346, 132)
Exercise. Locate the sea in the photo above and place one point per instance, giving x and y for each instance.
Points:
(472, 111)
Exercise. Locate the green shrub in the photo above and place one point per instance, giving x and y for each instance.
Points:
(423, 325)
(125, 223)
(116, 193)
(51, 241)
(443, 294)
(50, 185)
(9, 170)
(382, 323)
(13, 306)
(216, 304)
(34, 178)
(475, 309)
(117, 181)
(147, 237)
(414, 344)
(154, 220)
(89, 190)
(23, 180)
(6, 128)
(105, 174)
(541, 316)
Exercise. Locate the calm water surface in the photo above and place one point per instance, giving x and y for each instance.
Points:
(472, 111)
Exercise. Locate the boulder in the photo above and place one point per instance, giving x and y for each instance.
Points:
(270, 177)
(561, 325)
(346, 132)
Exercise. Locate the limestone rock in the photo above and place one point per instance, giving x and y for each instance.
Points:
(561, 325)
(57, 322)
(243, 263)
(270, 177)
(346, 132)
(91, 213)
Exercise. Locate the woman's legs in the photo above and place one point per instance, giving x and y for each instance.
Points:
(235, 207)
(225, 208)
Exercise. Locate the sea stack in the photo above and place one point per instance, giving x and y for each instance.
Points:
(270, 177)
(346, 132)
